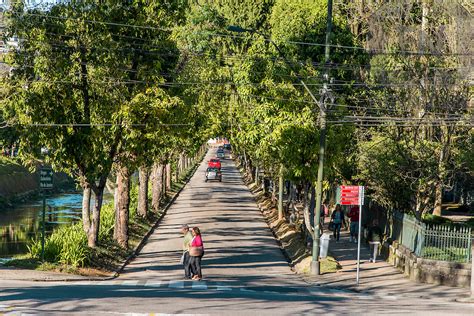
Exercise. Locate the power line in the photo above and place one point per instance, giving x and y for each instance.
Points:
(378, 51)
(333, 66)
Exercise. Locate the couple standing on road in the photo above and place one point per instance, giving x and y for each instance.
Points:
(193, 250)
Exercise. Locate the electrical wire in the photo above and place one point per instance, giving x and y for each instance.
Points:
(378, 51)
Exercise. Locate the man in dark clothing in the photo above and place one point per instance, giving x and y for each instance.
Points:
(374, 237)
(354, 228)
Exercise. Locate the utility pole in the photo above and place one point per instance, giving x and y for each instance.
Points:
(325, 94)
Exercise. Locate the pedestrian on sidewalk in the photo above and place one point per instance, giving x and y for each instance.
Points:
(374, 238)
(196, 251)
(185, 258)
(337, 218)
(354, 226)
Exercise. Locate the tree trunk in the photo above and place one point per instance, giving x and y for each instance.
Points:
(86, 207)
(157, 186)
(306, 212)
(93, 231)
(123, 206)
(256, 176)
(280, 194)
(177, 171)
(442, 173)
(143, 177)
(168, 177)
(274, 188)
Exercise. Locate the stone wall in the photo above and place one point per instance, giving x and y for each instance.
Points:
(429, 271)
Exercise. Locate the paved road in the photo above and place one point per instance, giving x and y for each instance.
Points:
(244, 270)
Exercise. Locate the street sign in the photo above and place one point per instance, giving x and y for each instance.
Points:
(351, 195)
(46, 178)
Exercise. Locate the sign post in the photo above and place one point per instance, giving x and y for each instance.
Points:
(46, 183)
(354, 195)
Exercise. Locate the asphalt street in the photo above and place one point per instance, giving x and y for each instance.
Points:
(245, 272)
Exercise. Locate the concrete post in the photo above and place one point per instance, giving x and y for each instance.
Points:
(472, 269)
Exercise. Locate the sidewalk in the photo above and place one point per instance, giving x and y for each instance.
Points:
(19, 274)
(378, 278)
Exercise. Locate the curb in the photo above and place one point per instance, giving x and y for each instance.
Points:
(137, 249)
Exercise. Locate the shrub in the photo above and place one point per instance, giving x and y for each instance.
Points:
(66, 245)
(107, 218)
(74, 250)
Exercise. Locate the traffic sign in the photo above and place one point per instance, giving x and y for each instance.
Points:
(46, 178)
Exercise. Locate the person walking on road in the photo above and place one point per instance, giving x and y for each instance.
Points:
(186, 259)
(337, 219)
(354, 228)
(196, 251)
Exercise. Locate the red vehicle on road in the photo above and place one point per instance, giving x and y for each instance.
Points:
(214, 163)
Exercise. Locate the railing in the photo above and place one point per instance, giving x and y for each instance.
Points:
(436, 242)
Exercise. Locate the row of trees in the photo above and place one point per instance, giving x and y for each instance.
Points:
(89, 83)
(111, 88)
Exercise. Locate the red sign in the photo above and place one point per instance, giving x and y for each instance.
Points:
(350, 188)
(353, 201)
(350, 194)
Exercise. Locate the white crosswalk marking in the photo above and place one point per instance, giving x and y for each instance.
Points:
(153, 283)
(199, 286)
(130, 282)
(246, 290)
(176, 284)
(223, 288)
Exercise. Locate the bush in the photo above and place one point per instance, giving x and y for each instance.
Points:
(52, 249)
(66, 245)
(107, 220)
(435, 220)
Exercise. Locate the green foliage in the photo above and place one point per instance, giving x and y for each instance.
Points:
(67, 245)
(107, 221)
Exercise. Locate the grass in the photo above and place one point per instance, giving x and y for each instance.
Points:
(440, 220)
(452, 254)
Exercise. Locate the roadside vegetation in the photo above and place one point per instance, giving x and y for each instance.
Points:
(66, 249)
(292, 238)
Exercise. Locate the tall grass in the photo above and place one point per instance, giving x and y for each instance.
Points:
(66, 245)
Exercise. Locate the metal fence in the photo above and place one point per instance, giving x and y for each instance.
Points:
(436, 242)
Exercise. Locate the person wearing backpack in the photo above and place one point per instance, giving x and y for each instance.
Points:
(337, 218)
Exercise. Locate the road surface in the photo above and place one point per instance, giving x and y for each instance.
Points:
(244, 270)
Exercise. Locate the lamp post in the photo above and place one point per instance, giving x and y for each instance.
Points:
(321, 104)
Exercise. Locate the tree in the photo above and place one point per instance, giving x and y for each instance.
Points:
(423, 69)
(74, 77)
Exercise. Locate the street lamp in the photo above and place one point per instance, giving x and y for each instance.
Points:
(325, 94)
